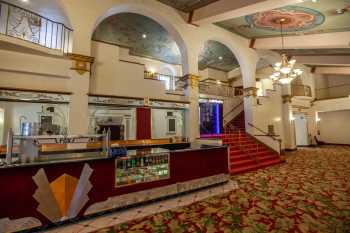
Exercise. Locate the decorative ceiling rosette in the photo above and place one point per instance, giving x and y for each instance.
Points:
(296, 19)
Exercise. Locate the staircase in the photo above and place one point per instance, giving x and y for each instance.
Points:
(246, 153)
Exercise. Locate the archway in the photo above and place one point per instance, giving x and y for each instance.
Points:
(160, 17)
(220, 87)
(130, 50)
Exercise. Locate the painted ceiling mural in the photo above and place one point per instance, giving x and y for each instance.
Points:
(142, 35)
(187, 5)
(145, 37)
(217, 56)
(305, 18)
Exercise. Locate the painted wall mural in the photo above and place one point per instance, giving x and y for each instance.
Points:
(142, 35)
(146, 38)
(304, 18)
(217, 56)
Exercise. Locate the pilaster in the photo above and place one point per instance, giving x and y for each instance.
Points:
(79, 84)
(192, 115)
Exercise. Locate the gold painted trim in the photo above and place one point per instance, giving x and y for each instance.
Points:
(81, 63)
(250, 91)
(286, 99)
(191, 80)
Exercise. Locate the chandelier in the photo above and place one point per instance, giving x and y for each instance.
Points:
(284, 71)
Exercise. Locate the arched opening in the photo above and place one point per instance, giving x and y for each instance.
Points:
(136, 57)
(220, 87)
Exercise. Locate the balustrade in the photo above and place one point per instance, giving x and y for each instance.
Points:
(29, 26)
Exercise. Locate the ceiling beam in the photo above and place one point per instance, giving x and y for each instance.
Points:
(335, 60)
(333, 70)
(229, 9)
(314, 41)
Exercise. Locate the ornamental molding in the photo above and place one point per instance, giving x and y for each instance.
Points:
(32, 96)
(191, 80)
(250, 91)
(286, 99)
(81, 63)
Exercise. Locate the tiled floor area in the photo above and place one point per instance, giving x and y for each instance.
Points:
(118, 217)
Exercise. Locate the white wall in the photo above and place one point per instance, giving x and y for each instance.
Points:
(151, 64)
(269, 113)
(111, 76)
(24, 70)
(159, 123)
(334, 127)
(13, 111)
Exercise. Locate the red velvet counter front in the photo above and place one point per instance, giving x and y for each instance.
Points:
(42, 194)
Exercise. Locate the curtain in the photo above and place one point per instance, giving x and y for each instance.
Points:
(143, 125)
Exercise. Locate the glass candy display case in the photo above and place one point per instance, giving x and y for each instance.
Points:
(140, 166)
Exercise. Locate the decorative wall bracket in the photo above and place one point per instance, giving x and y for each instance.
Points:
(286, 99)
(81, 63)
(250, 91)
(191, 80)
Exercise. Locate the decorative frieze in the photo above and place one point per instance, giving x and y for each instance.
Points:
(81, 63)
(32, 96)
(121, 101)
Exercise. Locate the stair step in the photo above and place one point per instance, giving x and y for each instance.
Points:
(244, 169)
(271, 162)
(242, 163)
(238, 157)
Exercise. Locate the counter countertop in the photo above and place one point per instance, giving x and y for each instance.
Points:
(94, 156)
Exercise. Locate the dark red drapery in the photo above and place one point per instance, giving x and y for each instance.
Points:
(143, 125)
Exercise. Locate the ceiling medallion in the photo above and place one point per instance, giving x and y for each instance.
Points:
(284, 71)
(296, 18)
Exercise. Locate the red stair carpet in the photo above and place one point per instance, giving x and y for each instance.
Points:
(246, 153)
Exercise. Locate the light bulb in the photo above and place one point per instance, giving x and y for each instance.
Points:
(285, 70)
(278, 64)
(292, 62)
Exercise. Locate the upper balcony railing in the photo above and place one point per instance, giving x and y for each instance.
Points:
(213, 87)
(172, 83)
(332, 92)
(301, 90)
(29, 26)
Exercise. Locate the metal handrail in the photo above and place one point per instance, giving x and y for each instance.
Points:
(265, 134)
(233, 109)
(49, 34)
(176, 82)
(339, 91)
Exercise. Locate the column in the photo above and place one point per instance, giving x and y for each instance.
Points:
(250, 101)
(288, 123)
(192, 114)
(79, 86)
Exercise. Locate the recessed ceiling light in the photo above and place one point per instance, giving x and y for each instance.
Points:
(144, 36)
(24, 0)
(340, 11)
(314, 0)
(220, 58)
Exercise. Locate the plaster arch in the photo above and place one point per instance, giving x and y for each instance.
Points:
(246, 57)
(94, 14)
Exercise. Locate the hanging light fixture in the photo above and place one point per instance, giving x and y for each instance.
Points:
(284, 71)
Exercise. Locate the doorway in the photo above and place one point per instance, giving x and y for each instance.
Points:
(301, 131)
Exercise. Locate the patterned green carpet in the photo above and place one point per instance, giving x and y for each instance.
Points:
(309, 193)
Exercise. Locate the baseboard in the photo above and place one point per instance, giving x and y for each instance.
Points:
(336, 144)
